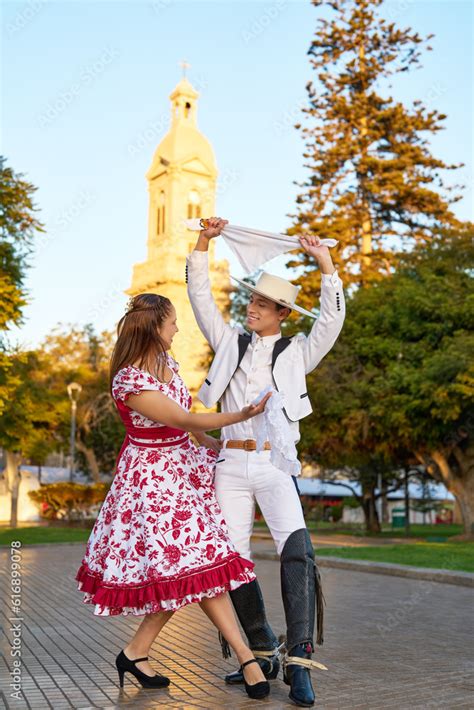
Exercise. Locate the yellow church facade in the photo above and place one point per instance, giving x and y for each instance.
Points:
(181, 184)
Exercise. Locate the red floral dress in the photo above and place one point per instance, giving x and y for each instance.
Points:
(160, 541)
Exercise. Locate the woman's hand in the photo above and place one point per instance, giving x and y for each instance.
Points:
(253, 409)
(215, 225)
(209, 442)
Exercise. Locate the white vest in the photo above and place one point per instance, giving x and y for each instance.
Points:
(288, 375)
(291, 366)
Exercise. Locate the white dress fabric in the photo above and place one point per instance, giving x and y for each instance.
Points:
(160, 540)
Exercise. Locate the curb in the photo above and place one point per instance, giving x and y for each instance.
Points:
(344, 541)
(461, 579)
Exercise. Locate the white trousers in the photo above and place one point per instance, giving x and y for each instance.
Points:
(245, 477)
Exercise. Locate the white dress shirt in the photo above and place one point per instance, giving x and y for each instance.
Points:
(253, 375)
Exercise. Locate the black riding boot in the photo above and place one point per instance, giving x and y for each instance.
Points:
(250, 609)
(301, 586)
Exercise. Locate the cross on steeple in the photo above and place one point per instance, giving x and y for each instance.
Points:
(184, 64)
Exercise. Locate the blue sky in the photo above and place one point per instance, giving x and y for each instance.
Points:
(108, 69)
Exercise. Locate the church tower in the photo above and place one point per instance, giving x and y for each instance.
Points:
(181, 184)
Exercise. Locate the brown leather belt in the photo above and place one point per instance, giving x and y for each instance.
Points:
(245, 444)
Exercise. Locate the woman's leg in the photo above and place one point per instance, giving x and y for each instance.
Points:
(145, 635)
(221, 613)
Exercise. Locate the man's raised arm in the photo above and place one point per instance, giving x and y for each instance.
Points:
(207, 314)
(326, 329)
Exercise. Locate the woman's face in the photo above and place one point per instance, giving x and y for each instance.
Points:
(168, 328)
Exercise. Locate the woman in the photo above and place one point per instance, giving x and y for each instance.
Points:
(160, 541)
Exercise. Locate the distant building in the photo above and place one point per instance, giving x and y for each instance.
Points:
(330, 494)
(181, 185)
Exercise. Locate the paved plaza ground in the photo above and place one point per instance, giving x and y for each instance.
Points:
(390, 643)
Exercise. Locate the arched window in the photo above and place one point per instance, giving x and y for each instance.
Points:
(187, 109)
(160, 218)
(194, 204)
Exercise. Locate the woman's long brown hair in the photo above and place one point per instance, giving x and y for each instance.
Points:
(138, 342)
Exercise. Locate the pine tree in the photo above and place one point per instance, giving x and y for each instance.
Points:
(374, 184)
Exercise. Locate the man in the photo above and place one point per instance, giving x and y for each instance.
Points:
(245, 362)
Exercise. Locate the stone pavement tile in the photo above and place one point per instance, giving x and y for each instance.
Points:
(390, 643)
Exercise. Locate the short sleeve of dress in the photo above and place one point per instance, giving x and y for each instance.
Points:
(171, 362)
(130, 380)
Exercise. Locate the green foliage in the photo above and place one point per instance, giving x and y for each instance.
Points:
(18, 226)
(37, 417)
(317, 510)
(69, 501)
(373, 182)
(30, 417)
(80, 355)
(313, 510)
(351, 502)
(337, 512)
(399, 382)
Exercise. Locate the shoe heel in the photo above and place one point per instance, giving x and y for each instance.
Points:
(121, 675)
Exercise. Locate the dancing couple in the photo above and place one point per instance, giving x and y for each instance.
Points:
(175, 526)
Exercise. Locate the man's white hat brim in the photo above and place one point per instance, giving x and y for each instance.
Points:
(248, 286)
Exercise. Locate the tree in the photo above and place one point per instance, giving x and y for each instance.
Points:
(341, 438)
(399, 384)
(80, 355)
(29, 419)
(373, 182)
(18, 225)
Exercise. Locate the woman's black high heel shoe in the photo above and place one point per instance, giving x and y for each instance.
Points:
(147, 681)
(257, 691)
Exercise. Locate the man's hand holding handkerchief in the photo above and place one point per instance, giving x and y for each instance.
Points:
(252, 247)
(272, 425)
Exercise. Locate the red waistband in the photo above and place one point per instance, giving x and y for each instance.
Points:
(153, 432)
(154, 444)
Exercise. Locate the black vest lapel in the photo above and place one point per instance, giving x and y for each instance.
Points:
(244, 342)
(278, 348)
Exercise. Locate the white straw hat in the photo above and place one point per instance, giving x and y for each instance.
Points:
(277, 289)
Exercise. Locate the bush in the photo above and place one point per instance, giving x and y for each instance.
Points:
(315, 511)
(69, 501)
(336, 512)
(351, 502)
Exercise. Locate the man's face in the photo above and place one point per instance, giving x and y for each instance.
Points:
(263, 316)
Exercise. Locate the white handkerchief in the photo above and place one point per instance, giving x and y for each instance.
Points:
(272, 425)
(252, 247)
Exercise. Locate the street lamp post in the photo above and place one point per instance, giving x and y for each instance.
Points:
(73, 390)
